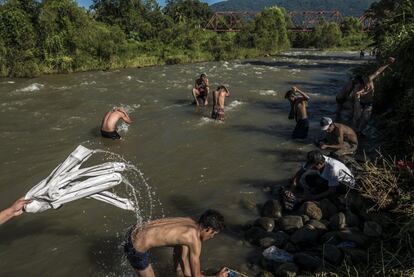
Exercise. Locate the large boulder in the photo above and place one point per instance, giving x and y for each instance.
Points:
(372, 229)
(350, 235)
(267, 223)
(290, 223)
(291, 248)
(279, 239)
(307, 235)
(287, 270)
(352, 220)
(312, 210)
(332, 254)
(328, 209)
(331, 238)
(317, 225)
(307, 261)
(337, 221)
(272, 208)
(255, 234)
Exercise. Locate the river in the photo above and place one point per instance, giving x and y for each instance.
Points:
(190, 162)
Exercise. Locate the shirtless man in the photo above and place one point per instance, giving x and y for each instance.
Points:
(345, 99)
(364, 98)
(219, 97)
(182, 233)
(14, 210)
(108, 127)
(201, 90)
(298, 112)
(339, 137)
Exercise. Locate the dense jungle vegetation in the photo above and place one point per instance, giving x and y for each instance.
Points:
(56, 36)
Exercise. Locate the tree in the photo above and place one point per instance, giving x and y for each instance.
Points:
(188, 10)
(327, 34)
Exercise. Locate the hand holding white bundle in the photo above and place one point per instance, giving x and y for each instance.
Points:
(68, 183)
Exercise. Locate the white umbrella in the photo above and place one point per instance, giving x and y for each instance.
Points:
(68, 182)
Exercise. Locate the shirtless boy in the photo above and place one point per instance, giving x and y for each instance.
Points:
(201, 90)
(298, 112)
(108, 127)
(219, 97)
(339, 137)
(182, 233)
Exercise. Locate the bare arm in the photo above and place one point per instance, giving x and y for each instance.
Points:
(125, 116)
(381, 69)
(195, 251)
(295, 89)
(14, 210)
(297, 177)
(340, 143)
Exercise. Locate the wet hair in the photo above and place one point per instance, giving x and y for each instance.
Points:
(212, 219)
(289, 94)
(222, 87)
(315, 157)
(203, 75)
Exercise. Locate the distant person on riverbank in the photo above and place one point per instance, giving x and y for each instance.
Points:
(14, 210)
(345, 99)
(298, 111)
(364, 99)
(184, 234)
(339, 138)
(108, 127)
(201, 90)
(362, 54)
(325, 177)
(219, 97)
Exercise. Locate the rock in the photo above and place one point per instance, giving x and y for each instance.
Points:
(317, 225)
(268, 224)
(331, 238)
(287, 270)
(305, 218)
(272, 208)
(372, 229)
(291, 223)
(337, 222)
(359, 238)
(291, 248)
(266, 242)
(328, 209)
(332, 254)
(312, 210)
(356, 255)
(281, 238)
(254, 234)
(307, 262)
(305, 236)
(265, 274)
(352, 220)
(355, 202)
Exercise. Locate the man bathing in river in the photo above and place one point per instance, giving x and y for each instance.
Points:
(298, 111)
(108, 127)
(339, 137)
(201, 90)
(219, 97)
(184, 234)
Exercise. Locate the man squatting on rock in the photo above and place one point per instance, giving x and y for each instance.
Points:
(340, 138)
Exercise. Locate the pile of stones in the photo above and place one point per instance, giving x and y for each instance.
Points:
(313, 236)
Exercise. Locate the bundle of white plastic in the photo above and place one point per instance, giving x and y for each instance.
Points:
(68, 182)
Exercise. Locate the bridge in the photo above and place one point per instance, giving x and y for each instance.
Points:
(302, 21)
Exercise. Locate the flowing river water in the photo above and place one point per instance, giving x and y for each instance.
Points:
(190, 162)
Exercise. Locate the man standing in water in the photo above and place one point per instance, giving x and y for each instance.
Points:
(201, 90)
(339, 137)
(298, 111)
(184, 234)
(108, 127)
(219, 97)
(364, 98)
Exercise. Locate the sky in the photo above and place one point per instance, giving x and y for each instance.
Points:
(87, 3)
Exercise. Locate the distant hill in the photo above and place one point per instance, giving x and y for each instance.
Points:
(346, 7)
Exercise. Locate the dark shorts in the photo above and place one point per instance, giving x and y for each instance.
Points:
(138, 260)
(218, 113)
(202, 94)
(301, 129)
(112, 135)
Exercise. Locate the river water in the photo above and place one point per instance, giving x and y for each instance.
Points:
(190, 162)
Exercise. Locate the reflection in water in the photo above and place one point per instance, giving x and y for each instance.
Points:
(190, 161)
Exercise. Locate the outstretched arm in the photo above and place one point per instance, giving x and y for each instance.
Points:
(381, 69)
(295, 89)
(14, 210)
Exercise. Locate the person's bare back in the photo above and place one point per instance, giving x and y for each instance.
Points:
(108, 125)
(182, 233)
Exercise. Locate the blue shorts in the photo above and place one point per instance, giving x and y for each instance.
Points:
(138, 260)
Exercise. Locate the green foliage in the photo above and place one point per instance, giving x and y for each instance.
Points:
(188, 10)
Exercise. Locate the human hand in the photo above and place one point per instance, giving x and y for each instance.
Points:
(224, 272)
(323, 146)
(17, 208)
(391, 60)
(295, 89)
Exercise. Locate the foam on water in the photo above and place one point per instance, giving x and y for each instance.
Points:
(123, 128)
(86, 83)
(31, 88)
(8, 82)
(234, 104)
(207, 120)
(268, 92)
